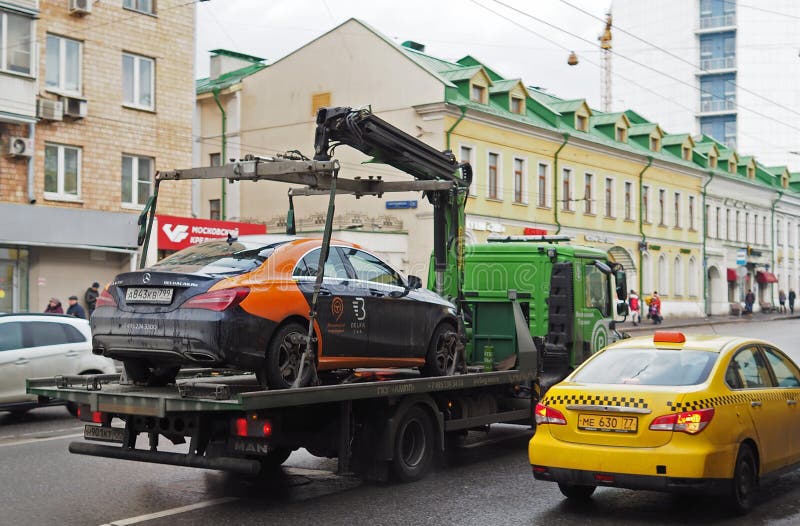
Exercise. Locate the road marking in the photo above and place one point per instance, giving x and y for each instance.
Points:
(73, 428)
(43, 439)
(172, 511)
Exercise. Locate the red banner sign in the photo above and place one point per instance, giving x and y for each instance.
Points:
(534, 231)
(175, 233)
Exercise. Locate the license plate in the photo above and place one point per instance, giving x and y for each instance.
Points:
(608, 424)
(148, 295)
(103, 434)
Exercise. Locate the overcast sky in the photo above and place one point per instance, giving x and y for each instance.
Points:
(510, 42)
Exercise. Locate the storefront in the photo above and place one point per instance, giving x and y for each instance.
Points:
(176, 233)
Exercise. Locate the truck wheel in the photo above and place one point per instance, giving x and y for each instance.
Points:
(745, 481)
(274, 459)
(283, 357)
(141, 373)
(413, 445)
(442, 351)
(576, 492)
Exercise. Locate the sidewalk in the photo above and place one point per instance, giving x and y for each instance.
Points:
(648, 326)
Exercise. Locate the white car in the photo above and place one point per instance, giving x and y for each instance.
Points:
(41, 345)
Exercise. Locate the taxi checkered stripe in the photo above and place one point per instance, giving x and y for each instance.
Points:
(581, 399)
(732, 399)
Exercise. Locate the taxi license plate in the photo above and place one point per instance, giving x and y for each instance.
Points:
(148, 295)
(608, 424)
(103, 434)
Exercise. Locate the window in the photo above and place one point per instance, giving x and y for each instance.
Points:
(466, 157)
(663, 275)
(136, 179)
(764, 229)
(738, 225)
(214, 209)
(785, 372)
(621, 134)
(542, 178)
(48, 333)
(369, 268)
(677, 210)
(718, 223)
(628, 192)
(755, 229)
(62, 171)
(777, 231)
(686, 153)
(747, 227)
(645, 206)
(517, 105)
(143, 6)
(691, 213)
(678, 273)
(581, 122)
(647, 274)
(588, 194)
(138, 80)
(596, 290)
(712, 161)
(478, 93)
(751, 172)
(493, 191)
(692, 277)
(728, 226)
(11, 336)
(731, 167)
(609, 197)
(747, 370)
(566, 175)
(668, 367)
(334, 267)
(215, 159)
(320, 100)
(520, 188)
(16, 43)
(63, 64)
(655, 144)
(661, 196)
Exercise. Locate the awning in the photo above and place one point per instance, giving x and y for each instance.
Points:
(765, 277)
(731, 274)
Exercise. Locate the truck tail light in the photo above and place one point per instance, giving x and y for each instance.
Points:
(85, 414)
(217, 300)
(547, 415)
(252, 426)
(689, 422)
(105, 299)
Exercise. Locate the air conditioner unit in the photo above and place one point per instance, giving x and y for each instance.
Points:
(50, 110)
(74, 108)
(80, 7)
(20, 147)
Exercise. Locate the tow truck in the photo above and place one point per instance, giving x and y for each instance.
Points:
(377, 423)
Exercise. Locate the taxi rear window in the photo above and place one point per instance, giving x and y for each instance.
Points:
(648, 367)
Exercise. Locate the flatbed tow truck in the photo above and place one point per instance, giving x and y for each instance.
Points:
(377, 423)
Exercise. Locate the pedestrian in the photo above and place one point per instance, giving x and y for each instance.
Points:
(782, 300)
(75, 309)
(655, 309)
(54, 307)
(633, 304)
(749, 299)
(792, 297)
(90, 297)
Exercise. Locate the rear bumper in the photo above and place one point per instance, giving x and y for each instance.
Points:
(639, 482)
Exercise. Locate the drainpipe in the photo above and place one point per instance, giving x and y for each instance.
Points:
(453, 127)
(643, 242)
(772, 221)
(707, 305)
(223, 158)
(555, 183)
(31, 185)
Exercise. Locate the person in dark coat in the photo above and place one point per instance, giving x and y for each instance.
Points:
(54, 307)
(90, 297)
(792, 297)
(749, 300)
(75, 309)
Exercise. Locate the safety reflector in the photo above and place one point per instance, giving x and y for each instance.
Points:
(668, 337)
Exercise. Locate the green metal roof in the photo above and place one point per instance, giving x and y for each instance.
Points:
(643, 128)
(506, 85)
(604, 119)
(567, 106)
(469, 60)
(236, 54)
(226, 80)
(460, 74)
(672, 139)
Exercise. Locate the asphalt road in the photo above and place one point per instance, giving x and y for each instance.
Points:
(43, 484)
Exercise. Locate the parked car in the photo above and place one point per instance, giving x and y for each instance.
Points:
(672, 413)
(244, 304)
(41, 345)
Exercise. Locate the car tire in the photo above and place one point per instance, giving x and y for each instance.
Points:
(576, 491)
(141, 373)
(414, 444)
(742, 490)
(442, 351)
(283, 357)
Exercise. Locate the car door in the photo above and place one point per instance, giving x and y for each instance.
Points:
(787, 381)
(53, 349)
(14, 366)
(393, 314)
(766, 411)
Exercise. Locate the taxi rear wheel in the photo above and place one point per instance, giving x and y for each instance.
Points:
(745, 481)
(576, 491)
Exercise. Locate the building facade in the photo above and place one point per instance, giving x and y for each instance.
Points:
(96, 96)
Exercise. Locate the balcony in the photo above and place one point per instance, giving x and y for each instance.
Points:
(708, 23)
(718, 105)
(708, 65)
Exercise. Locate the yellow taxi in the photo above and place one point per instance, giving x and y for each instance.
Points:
(671, 413)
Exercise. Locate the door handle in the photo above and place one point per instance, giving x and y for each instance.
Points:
(755, 403)
(791, 402)
(324, 292)
(71, 353)
(21, 361)
(376, 292)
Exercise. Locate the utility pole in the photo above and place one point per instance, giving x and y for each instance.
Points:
(605, 79)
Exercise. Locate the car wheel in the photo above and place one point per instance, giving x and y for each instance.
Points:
(283, 357)
(442, 351)
(576, 491)
(413, 445)
(745, 481)
(140, 372)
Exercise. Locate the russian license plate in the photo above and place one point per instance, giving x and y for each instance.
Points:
(103, 434)
(608, 423)
(159, 295)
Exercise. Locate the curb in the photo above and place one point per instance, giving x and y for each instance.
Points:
(695, 322)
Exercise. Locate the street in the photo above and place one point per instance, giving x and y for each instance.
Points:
(489, 484)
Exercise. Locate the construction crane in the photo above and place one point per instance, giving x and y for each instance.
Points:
(605, 78)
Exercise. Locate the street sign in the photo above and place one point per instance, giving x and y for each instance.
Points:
(741, 257)
(400, 204)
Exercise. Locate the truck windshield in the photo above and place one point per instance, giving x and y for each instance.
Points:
(217, 257)
(648, 367)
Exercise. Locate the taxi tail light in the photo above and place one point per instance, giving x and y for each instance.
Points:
(547, 415)
(252, 426)
(217, 300)
(105, 299)
(689, 422)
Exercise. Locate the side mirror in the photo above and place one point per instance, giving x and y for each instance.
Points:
(622, 285)
(414, 282)
(622, 309)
